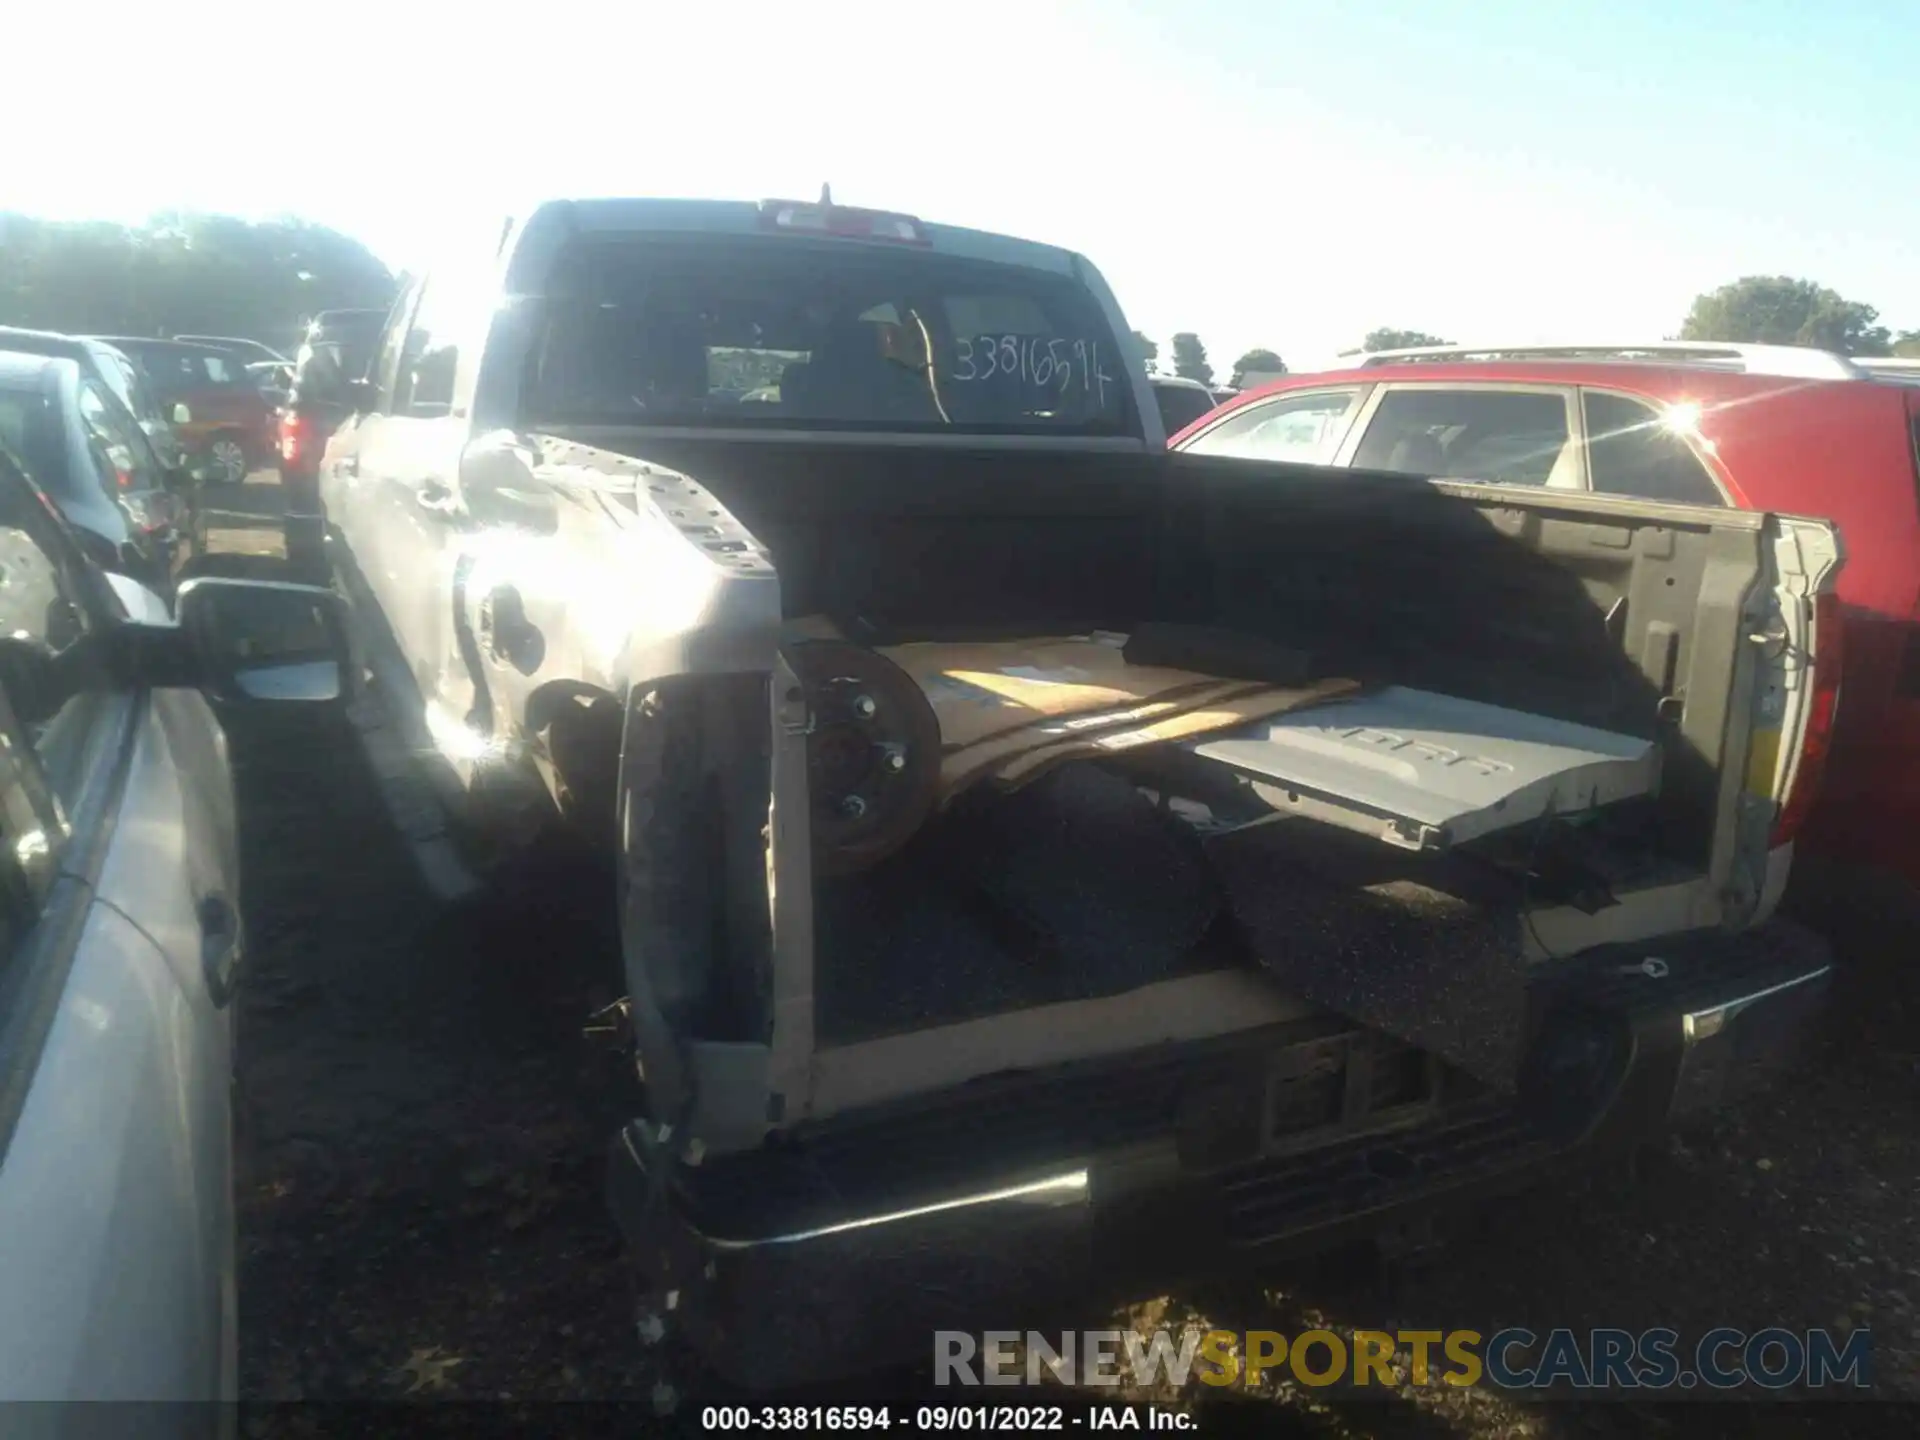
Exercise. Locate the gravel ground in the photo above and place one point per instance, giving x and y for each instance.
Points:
(422, 1118)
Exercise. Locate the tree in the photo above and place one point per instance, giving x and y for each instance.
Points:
(1907, 347)
(1190, 358)
(183, 273)
(1149, 352)
(1257, 361)
(1779, 310)
(1390, 339)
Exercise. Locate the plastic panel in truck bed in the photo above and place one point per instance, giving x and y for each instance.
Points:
(1427, 771)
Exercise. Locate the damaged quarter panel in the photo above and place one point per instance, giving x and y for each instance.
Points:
(630, 585)
(640, 576)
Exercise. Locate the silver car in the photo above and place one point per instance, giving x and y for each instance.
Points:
(120, 946)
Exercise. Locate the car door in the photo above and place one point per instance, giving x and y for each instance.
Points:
(407, 494)
(1498, 433)
(348, 493)
(220, 400)
(118, 939)
(172, 381)
(223, 390)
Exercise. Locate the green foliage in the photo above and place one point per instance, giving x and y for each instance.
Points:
(1780, 310)
(1149, 352)
(1264, 362)
(1386, 338)
(1907, 347)
(182, 273)
(1190, 358)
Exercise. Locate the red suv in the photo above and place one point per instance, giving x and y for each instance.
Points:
(1761, 427)
(228, 420)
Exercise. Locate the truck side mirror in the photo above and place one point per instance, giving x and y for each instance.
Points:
(260, 640)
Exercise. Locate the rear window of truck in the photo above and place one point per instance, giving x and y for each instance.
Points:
(784, 333)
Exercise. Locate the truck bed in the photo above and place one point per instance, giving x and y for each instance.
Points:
(1622, 616)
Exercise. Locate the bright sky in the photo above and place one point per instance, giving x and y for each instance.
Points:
(1288, 173)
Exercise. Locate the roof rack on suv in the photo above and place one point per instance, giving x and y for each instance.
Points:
(1796, 361)
(1900, 370)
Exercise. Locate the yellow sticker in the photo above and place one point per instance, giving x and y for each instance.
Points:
(1763, 761)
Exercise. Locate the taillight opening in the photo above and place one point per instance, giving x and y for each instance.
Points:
(1823, 709)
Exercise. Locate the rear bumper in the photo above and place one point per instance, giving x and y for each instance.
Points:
(776, 1284)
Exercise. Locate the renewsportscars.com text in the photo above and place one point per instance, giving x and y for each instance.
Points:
(1510, 1359)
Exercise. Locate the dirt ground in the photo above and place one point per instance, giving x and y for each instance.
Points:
(422, 1121)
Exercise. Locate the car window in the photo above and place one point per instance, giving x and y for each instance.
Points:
(1306, 429)
(1633, 449)
(1181, 405)
(386, 362)
(750, 331)
(111, 430)
(429, 355)
(40, 617)
(29, 429)
(171, 372)
(140, 398)
(1509, 437)
(128, 385)
(176, 372)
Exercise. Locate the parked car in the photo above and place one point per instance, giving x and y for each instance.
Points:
(122, 951)
(251, 352)
(1181, 401)
(1903, 371)
(1748, 427)
(111, 368)
(1008, 852)
(338, 348)
(83, 449)
(229, 420)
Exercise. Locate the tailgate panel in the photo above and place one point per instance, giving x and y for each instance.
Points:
(1426, 771)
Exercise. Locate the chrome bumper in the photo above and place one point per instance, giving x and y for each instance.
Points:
(775, 1284)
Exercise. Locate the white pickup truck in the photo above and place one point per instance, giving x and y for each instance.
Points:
(1036, 849)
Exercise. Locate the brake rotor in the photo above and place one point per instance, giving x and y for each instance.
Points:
(873, 753)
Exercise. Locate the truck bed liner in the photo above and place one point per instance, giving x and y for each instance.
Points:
(1423, 947)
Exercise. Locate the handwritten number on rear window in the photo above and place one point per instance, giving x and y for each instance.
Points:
(1046, 364)
(1057, 365)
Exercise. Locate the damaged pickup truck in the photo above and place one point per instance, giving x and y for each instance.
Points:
(1046, 861)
